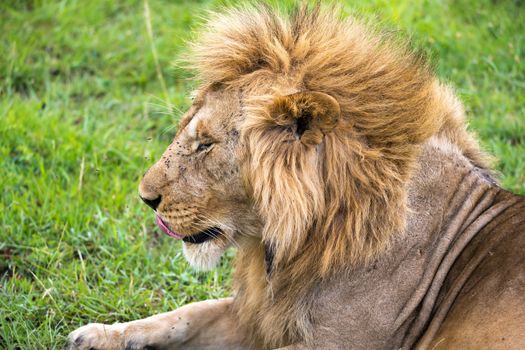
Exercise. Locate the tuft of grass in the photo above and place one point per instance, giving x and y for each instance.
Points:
(80, 123)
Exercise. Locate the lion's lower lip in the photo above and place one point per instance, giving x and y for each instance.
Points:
(201, 237)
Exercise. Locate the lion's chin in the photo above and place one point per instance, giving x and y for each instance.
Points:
(204, 256)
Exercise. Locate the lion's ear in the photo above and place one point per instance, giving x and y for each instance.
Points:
(310, 114)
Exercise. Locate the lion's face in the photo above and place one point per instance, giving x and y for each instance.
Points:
(196, 186)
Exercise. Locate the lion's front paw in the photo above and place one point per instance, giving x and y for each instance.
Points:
(96, 336)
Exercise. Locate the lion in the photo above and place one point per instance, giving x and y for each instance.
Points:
(364, 213)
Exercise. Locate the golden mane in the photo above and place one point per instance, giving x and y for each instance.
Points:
(333, 205)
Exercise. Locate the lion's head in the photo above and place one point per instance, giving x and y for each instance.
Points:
(302, 136)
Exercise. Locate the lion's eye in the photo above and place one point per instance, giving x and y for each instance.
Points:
(203, 146)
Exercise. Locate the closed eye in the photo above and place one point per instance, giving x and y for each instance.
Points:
(204, 146)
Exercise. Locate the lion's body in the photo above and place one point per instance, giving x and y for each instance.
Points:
(456, 276)
(365, 214)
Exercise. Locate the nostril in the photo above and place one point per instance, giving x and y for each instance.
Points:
(153, 203)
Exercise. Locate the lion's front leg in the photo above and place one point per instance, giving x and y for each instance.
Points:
(207, 324)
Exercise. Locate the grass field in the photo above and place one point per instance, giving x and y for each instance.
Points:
(83, 114)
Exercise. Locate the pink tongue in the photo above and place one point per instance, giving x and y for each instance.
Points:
(166, 229)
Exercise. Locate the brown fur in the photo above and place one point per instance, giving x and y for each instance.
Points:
(338, 205)
(329, 118)
(390, 104)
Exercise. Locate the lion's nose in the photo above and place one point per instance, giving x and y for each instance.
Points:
(153, 203)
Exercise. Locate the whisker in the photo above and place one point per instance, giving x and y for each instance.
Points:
(207, 220)
(215, 222)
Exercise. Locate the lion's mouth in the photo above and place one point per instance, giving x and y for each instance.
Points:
(198, 238)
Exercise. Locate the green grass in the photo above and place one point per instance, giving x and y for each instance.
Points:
(83, 115)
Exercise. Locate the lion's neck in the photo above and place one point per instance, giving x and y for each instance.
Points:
(447, 198)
